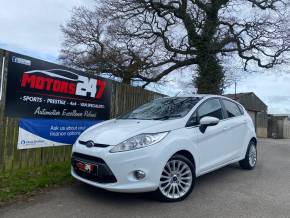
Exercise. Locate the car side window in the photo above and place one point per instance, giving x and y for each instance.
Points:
(232, 109)
(193, 120)
(212, 108)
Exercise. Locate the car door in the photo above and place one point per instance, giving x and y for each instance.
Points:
(237, 127)
(213, 144)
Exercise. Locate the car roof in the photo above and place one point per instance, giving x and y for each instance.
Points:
(194, 96)
(203, 96)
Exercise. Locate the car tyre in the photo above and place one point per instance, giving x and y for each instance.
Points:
(177, 179)
(250, 160)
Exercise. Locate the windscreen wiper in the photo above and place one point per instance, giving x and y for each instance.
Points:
(166, 117)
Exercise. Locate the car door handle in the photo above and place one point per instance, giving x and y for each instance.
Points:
(226, 128)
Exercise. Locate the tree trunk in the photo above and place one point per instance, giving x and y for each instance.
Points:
(210, 78)
(126, 80)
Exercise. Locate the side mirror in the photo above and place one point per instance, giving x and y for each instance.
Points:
(206, 122)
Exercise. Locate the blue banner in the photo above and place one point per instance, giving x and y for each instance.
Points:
(50, 132)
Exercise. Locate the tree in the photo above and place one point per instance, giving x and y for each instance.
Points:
(200, 32)
(92, 45)
(182, 33)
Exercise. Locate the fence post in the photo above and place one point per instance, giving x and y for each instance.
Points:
(3, 78)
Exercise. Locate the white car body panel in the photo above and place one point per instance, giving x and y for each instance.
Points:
(219, 146)
(124, 129)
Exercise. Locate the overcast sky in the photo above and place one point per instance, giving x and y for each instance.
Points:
(32, 27)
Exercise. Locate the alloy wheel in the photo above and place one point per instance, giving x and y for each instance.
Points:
(176, 179)
(252, 155)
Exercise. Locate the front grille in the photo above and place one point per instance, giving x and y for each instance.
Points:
(87, 158)
(103, 174)
(95, 144)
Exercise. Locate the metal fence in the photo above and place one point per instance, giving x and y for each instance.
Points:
(124, 98)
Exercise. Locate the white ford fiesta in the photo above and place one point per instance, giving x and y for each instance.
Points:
(164, 145)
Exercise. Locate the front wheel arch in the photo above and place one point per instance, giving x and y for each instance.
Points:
(188, 155)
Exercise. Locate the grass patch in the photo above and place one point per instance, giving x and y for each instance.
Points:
(26, 181)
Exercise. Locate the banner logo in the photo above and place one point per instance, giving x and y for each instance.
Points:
(75, 85)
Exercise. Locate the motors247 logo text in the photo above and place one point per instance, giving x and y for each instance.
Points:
(63, 81)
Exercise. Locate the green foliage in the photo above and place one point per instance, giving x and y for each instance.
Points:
(210, 78)
(26, 181)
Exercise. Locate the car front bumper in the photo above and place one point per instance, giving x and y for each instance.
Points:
(122, 166)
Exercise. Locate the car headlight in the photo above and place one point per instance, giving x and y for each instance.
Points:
(139, 141)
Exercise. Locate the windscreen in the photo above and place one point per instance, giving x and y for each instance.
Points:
(163, 109)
